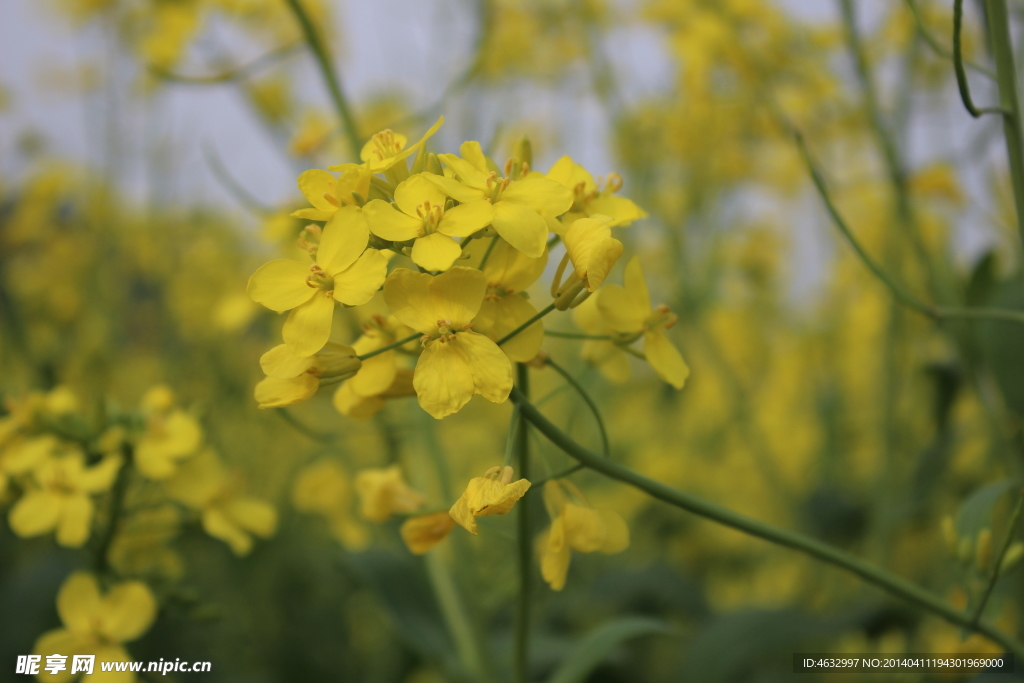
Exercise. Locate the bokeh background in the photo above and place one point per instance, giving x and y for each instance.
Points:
(148, 156)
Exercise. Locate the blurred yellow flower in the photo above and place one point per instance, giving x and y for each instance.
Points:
(171, 435)
(575, 526)
(383, 492)
(58, 498)
(593, 251)
(323, 488)
(419, 214)
(327, 194)
(589, 199)
(292, 378)
(423, 532)
(494, 493)
(98, 624)
(386, 148)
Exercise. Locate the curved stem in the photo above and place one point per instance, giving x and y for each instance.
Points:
(898, 291)
(577, 335)
(392, 345)
(1014, 523)
(606, 449)
(235, 188)
(117, 496)
(522, 446)
(940, 49)
(891, 583)
(961, 73)
(550, 307)
(1006, 73)
(330, 76)
(236, 74)
(320, 437)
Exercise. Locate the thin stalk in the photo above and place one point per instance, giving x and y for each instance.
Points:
(309, 432)
(891, 583)
(940, 49)
(550, 307)
(1006, 76)
(559, 475)
(392, 345)
(605, 447)
(487, 254)
(521, 665)
(577, 335)
(1014, 523)
(330, 76)
(117, 496)
(235, 188)
(229, 75)
(961, 73)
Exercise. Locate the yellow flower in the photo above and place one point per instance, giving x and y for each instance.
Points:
(608, 356)
(323, 488)
(383, 492)
(425, 531)
(344, 271)
(292, 378)
(379, 378)
(494, 493)
(171, 435)
(509, 272)
(327, 194)
(576, 527)
(592, 249)
(419, 214)
(20, 454)
(588, 199)
(142, 545)
(312, 134)
(203, 484)
(521, 202)
(58, 498)
(386, 148)
(456, 363)
(98, 624)
(628, 312)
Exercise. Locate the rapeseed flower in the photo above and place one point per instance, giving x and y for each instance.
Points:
(494, 493)
(384, 492)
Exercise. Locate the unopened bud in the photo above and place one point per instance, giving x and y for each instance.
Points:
(433, 164)
(949, 536)
(524, 151)
(1013, 555)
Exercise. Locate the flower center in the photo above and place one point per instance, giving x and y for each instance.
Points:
(445, 332)
(385, 145)
(661, 317)
(431, 215)
(318, 279)
(496, 186)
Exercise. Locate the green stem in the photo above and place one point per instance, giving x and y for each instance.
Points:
(487, 254)
(550, 307)
(1014, 523)
(577, 335)
(1002, 53)
(902, 295)
(321, 437)
(330, 76)
(235, 74)
(605, 447)
(522, 634)
(117, 496)
(961, 72)
(559, 475)
(938, 47)
(891, 583)
(392, 345)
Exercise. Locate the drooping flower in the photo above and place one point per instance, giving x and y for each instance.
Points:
(509, 273)
(456, 362)
(628, 312)
(608, 356)
(575, 526)
(292, 378)
(380, 376)
(588, 199)
(522, 202)
(344, 270)
(384, 492)
(323, 488)
(494, 493)
(419, 214)
(171, 434)
(98, 623)
(592, 249)
(205, 485)
(58, 498)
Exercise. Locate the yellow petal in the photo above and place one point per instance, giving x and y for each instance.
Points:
(554, 555)
(468, 173)
(66, 643)
(312, 214)
(472, 152)
(389, 223)
(129, 611)
(280, 285)
(252, 514)
(456, 295)
(611, 360)
(79, 603)
(458, 191)
(622, 211)
(75, 521)
(35, 513)
(665, 358)
(359, 282)
(592, 249)
(509, 313)
(569, 174)
(435, 252)
(636, 286)
(466, 219)
(349, 403)
(521, 226)
(314, 184)
(343, 240)
(309, 326)
(509, 267)
(414, 191)
(218, 525)
(619, 311)
(443, 379)
(616, 532)
(375, 375)
(487, 496)
(281, 363)
(490, 368)
(540, 194)
(460, 513)
(424, 532)
(407, 294)
(274, 392)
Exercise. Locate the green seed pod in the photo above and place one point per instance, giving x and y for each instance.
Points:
(1013, 555)
(949, 536)
(983, 550)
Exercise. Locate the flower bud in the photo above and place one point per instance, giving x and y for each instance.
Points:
(983, 551)
(949, 536)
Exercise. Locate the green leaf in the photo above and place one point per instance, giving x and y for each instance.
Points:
(976, 512)
(596, 645)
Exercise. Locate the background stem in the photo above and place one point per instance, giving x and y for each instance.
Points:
(522, 446)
